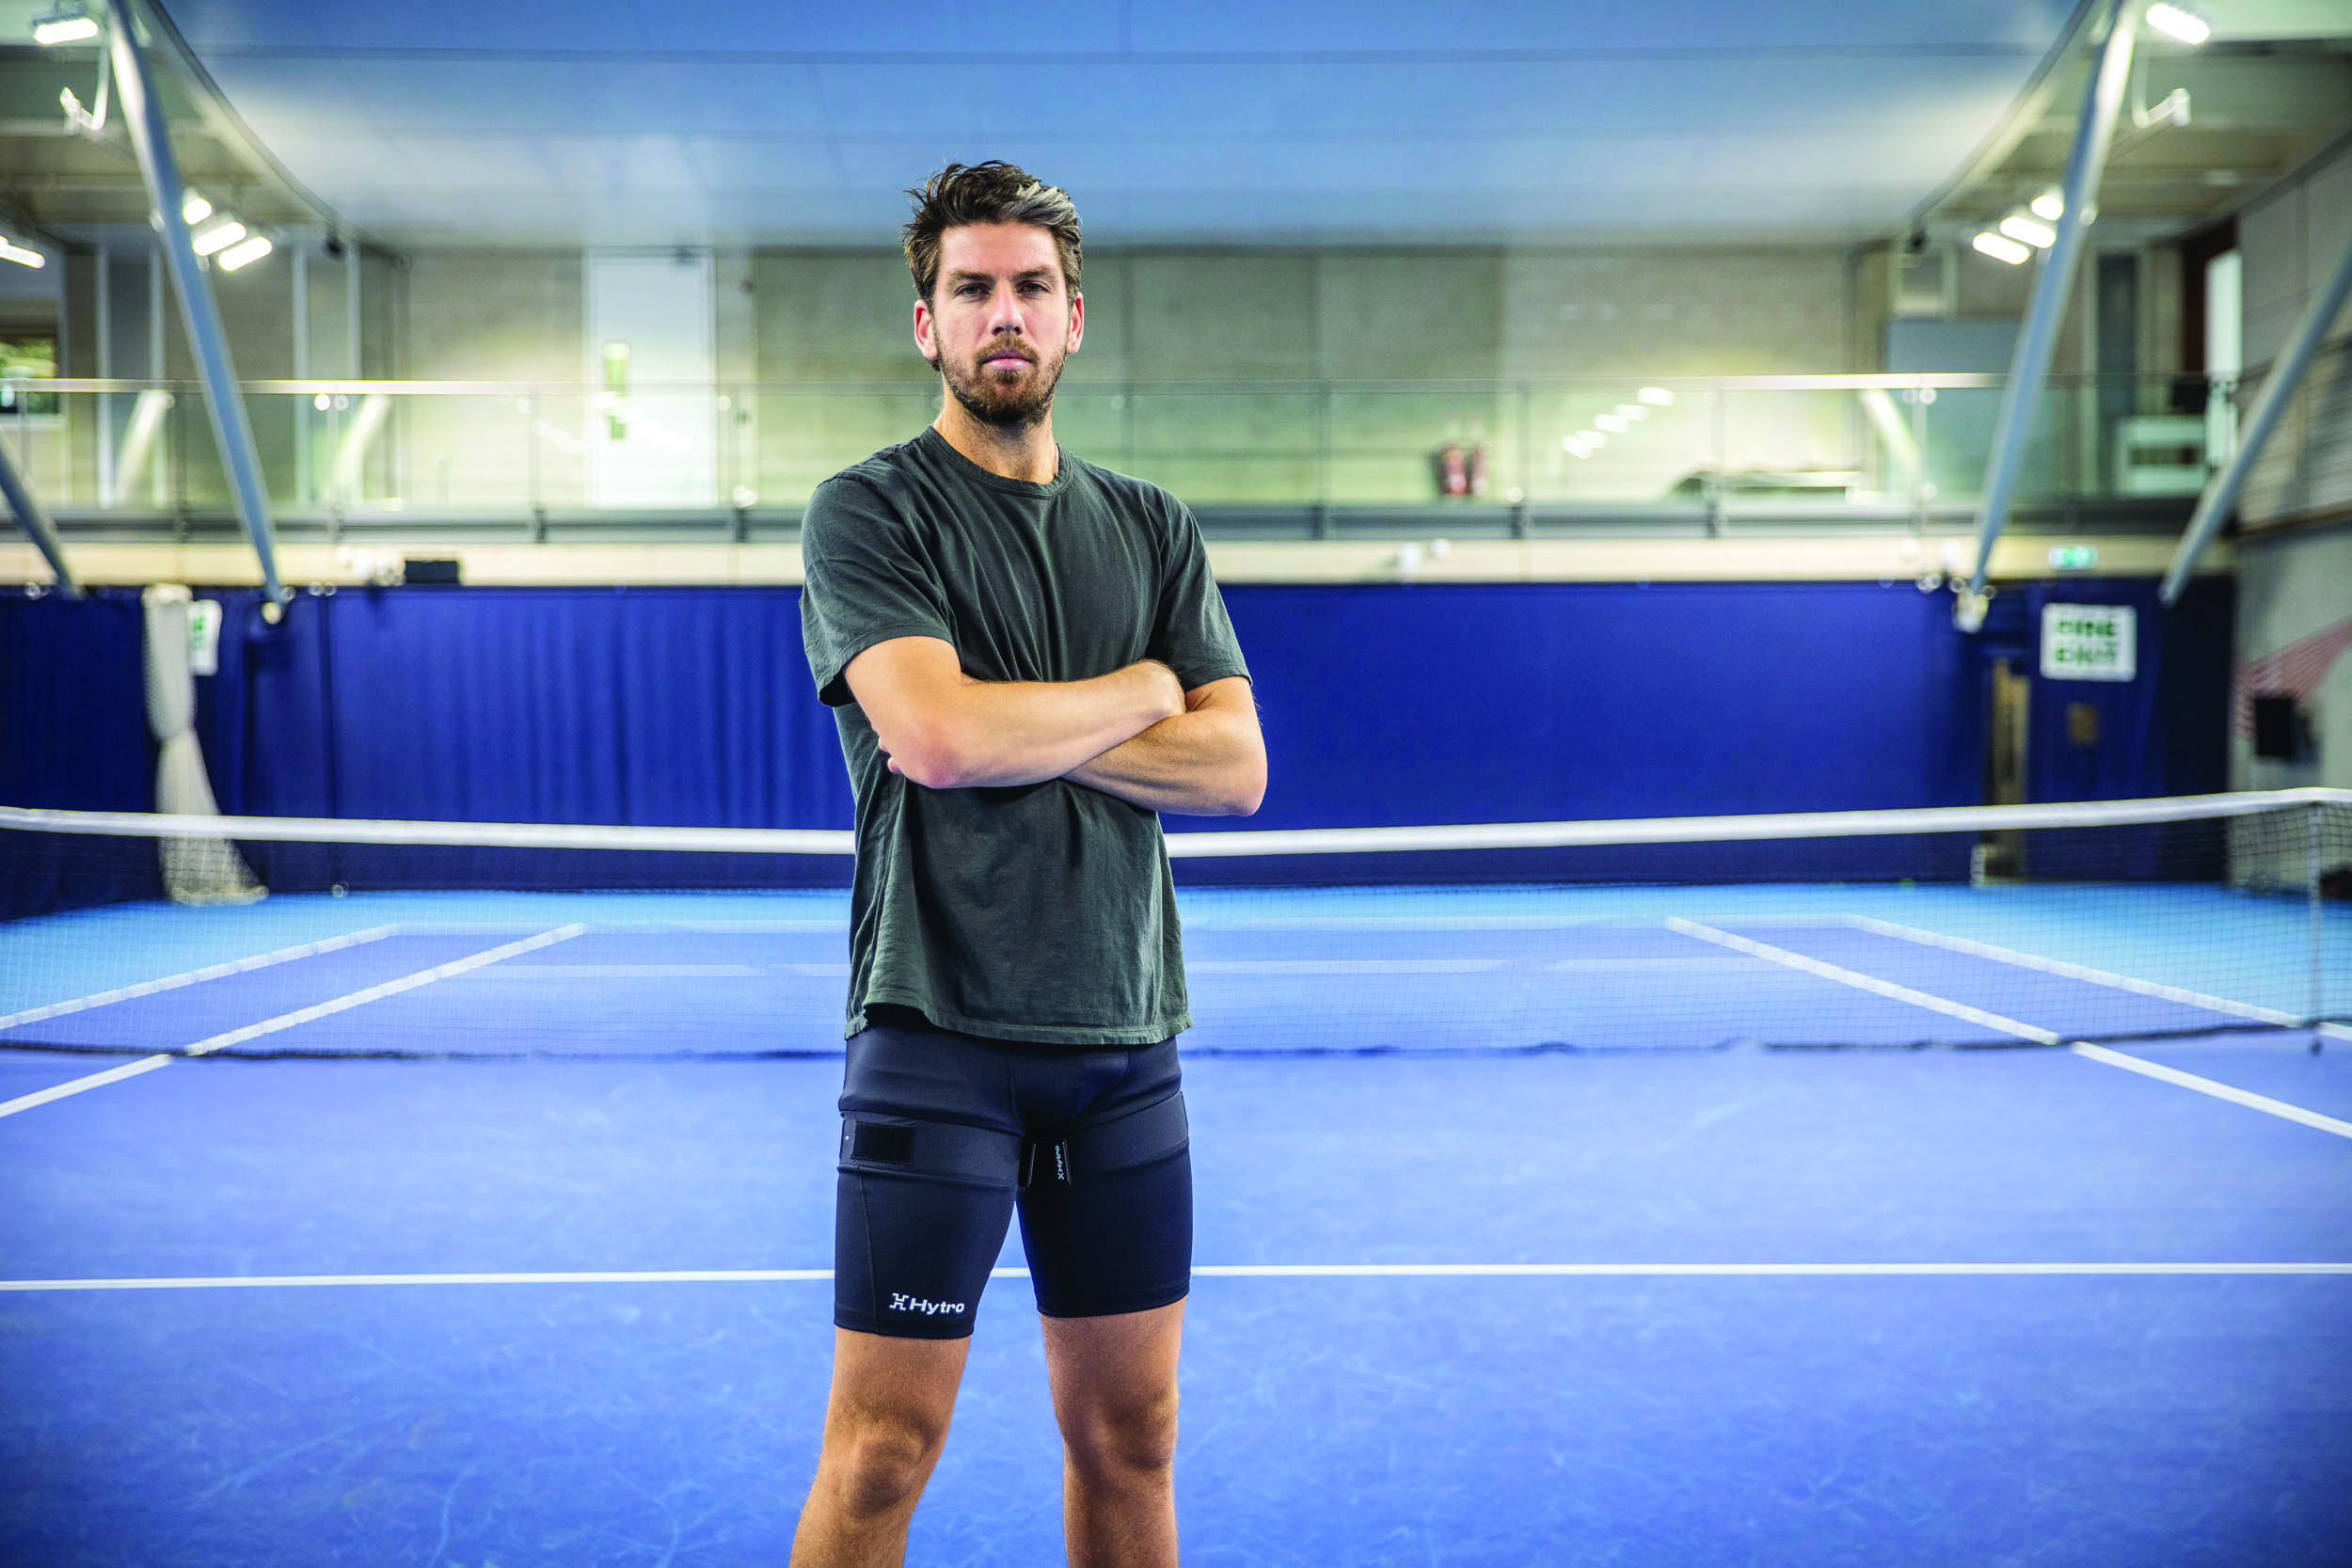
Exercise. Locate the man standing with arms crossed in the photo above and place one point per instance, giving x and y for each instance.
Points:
(1028, 660)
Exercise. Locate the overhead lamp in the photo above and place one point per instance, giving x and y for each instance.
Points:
(2002, 249)
(67, 24)
(2038, 235)
(1592, 437)
(2050, 205)
(219, 237)
(1571, 445)
(1630, 411)
(196, 209)
(1612, 424)
(1657, 397)
(22, 257)
(252, 250)
(2179, 22)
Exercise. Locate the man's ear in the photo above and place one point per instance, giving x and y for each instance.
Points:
(1077, 322)
(923, 330)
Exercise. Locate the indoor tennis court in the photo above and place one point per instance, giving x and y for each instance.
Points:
(1694, 665)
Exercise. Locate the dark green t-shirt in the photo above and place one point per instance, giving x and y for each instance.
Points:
(1042, 911)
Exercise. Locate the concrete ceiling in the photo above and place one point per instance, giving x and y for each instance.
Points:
(1683, 121)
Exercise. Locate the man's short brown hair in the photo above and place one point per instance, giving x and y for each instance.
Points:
(992, 192)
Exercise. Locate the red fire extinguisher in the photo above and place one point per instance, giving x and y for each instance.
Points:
(1453, 470)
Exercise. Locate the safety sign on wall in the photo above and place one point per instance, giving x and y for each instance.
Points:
(2089, 643)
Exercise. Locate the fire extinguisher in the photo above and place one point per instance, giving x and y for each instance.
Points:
(1478, 468)
(1453, 472)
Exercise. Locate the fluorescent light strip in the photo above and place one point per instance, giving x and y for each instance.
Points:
(249, 250)
(21, 256)
(2040, 235)
(2173, 21)
(219, 238)
(2002, 249)
(71, 29)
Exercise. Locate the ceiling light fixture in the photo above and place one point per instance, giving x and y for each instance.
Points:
(1630, 411)
(2050, 205)
(2002, 249)
(68, 23)
(1592, 437)
(1611, 423)
(22, 257)
(252, 250)
(1657, 397)
(2019, 227)
(2179, 22)
(196, 209)
(219, 237)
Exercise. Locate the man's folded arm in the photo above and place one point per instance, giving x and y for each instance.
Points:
(945, 730)
(1206, 761)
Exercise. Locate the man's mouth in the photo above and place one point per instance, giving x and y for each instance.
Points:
(997, 359)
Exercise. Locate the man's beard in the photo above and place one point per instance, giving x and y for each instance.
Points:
(1021, 406)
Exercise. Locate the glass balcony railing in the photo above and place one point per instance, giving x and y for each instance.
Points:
(481, 452)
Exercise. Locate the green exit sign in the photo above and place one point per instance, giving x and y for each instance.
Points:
(2074, 558)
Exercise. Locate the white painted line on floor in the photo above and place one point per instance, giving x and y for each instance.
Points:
(1344, 966)
(1220, 1271)
(630, 972)
(194, 976)
(300, 1016)
(2219, 1091)
(1870, 983)
(2070, 971)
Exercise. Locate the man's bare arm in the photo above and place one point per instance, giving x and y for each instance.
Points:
(1207, 761)
(945, 730)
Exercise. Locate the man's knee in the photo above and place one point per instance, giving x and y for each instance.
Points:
(881, 1459)
(1127, 1439)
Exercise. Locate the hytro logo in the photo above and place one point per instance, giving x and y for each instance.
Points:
(901, 1302)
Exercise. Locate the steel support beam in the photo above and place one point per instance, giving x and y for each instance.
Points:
(2038, 338)
(151, 138)
(2286, 374)
(28, 510)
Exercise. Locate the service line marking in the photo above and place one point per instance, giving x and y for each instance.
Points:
(287, 1021)
(2023, 1031)
(1223, 1270)
(194, 976)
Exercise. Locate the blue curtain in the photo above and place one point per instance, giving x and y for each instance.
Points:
(1383, 703)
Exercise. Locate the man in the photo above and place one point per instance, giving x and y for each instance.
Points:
(1028, 660)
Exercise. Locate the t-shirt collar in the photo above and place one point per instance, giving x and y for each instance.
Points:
(944, 450)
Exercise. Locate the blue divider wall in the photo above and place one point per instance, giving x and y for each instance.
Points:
(1382, 704)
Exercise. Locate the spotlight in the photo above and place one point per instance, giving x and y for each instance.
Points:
(1657, 397)
(219, 237)
(2019, 227)
(2002, 249)
(2050, 205)
(1611, 423)
(2179, 22)
(22, 257)
(1630, 411)
(252, 250)
(196, 209)
(67, 24)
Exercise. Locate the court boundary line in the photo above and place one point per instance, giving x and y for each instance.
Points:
(2157, 989)
(287, 1021)
(2213, 1087)
(195, 977)
(1232, 1271)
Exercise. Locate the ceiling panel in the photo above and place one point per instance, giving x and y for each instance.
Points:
(1811, 121)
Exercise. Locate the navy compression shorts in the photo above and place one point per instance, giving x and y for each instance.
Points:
(943, 1135)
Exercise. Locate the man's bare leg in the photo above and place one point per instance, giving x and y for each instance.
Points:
(886, 1422)
(1114, 1381)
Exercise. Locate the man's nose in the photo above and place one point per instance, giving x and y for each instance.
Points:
(1005, 314)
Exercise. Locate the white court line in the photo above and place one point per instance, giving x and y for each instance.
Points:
(1222, 1271)
(2083, 971)
(2023, 1031)
(1861, 982)
(194, 976)
(2218, 1090)
(287, 1021)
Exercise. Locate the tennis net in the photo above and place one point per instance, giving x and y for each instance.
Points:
(1965, 927)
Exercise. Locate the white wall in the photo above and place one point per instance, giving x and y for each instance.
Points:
(2292, 240)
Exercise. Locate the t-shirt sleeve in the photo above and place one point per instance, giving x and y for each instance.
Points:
(863, 581)
(1191, 634)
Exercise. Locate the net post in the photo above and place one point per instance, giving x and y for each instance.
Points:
(2316, 921)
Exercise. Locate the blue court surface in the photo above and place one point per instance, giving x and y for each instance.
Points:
(1515, 1245)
